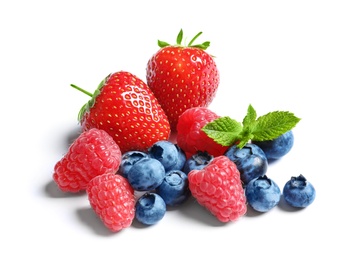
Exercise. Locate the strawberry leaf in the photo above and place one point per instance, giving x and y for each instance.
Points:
(179, 37)
(202, 46)
(194, 38)
(223, 130)
(93, 96)
(162, 44)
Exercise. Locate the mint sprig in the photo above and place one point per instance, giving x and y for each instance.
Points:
(227, 131)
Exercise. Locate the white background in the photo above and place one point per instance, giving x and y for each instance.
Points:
(275, 55)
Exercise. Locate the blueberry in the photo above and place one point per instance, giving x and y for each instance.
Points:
(146, 174)
(166, 152)
(174, 189)
(150, 208)
(262, 193)
(197, 161)
(181, 160)
(298, 192)
(250, 161)
(129, 159)
(277, 148)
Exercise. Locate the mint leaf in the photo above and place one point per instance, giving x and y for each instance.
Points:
(250, 117)
(227, 131)
(243, 140)
(223, 130)
(273, 124)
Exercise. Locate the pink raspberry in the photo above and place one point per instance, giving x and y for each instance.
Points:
(191, 138)
(93, 153)
(112, 199)
(218, 188)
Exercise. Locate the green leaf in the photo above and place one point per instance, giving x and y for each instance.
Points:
(223, 130)
(194, 38)
(162, 44)
(179, 37)
(93, 96)
(202, 46)
(273, 124)
(250, 117)
(243, 141)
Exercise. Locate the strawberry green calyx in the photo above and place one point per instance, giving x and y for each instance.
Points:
(179, 39)
(227, 131)
(93, 96)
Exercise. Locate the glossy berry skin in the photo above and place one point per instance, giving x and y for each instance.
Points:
(250, 160)
(129, 159)
(166, 152)
(197, 161)
(146, 174)
(181, 159)
(191, 138)
(92, 153)
(218, 188)
(112, 199)
(181, 78)
(277, 148)
(126, 108)
(174, 189)
(150, 208)
(298, 192)
(262, 193)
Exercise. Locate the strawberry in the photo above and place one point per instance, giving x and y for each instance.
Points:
(93, 153)
(218, 188)
(182, 77)
(112, 199)
(126, 108)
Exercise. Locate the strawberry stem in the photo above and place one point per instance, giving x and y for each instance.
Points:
(82, 90)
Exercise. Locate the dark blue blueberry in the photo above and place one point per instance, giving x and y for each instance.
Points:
(150, 208)
(262, 193)
(165, 152)
(298, 192)
(250, 161)
(277, 148)
(129, 159)
(181, 160)
(174, 188)
(197, 161)
(146, 174)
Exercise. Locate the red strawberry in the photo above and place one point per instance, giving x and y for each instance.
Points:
(182, 77)
(112, 199)
(126, 108)
(218, 188)
(93, 153)
(191, 138)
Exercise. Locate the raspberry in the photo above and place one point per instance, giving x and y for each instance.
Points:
(218, 188)
(112, 199)
(190, 138)
(93, 153)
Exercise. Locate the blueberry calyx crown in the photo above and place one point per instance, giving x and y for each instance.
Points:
(264, 182)
(202, 158)
(299, 182)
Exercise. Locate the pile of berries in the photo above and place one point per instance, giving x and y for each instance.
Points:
(130, 169)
